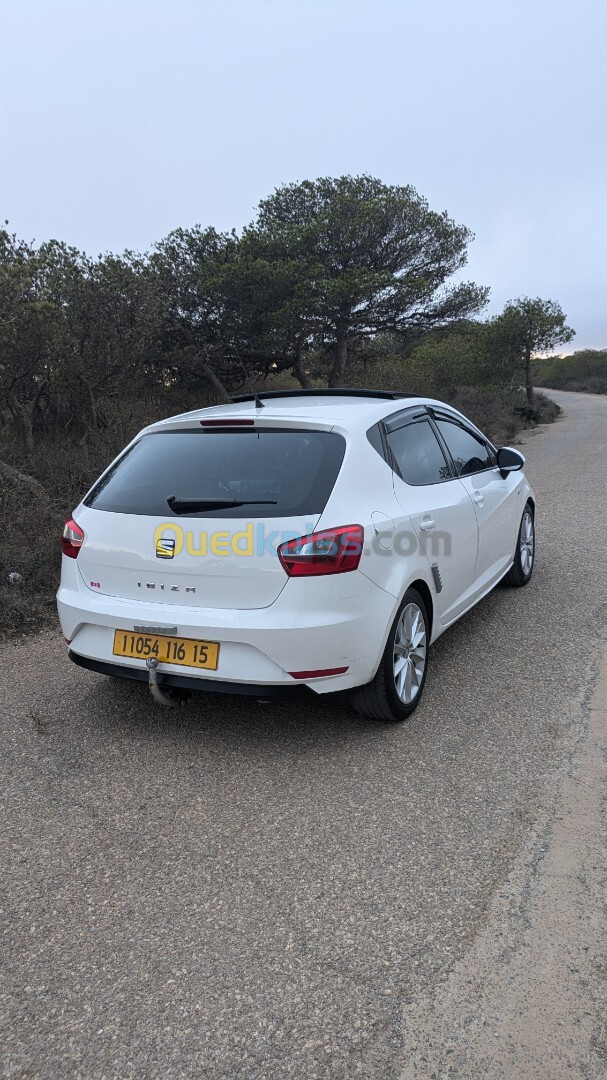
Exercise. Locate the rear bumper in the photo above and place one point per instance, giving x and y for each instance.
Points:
(185, 682)
(315, 624)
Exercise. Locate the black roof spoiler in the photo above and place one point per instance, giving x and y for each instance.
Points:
(386, 395)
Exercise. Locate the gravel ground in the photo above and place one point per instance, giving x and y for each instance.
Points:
(258, 891)
(529, 998)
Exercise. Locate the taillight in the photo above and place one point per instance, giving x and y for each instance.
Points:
(72, 538)
(331, 551)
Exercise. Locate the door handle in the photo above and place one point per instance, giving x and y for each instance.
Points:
(427, 525)
(478, 498)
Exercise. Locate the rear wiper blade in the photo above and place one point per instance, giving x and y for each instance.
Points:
(190, 506)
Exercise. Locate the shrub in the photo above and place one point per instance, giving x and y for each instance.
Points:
(32, 523)
(585, 370)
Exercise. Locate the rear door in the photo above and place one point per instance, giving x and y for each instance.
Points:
(194, 517)
(494, 497)
(440, 510)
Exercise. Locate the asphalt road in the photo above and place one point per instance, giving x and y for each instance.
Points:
(258, 891)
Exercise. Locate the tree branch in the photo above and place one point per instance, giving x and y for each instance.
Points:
(22, 480)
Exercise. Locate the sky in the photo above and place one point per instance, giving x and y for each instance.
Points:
(123, 119)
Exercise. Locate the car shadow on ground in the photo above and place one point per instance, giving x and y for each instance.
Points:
(119, 702)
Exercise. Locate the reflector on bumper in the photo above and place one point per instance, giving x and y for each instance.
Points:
(319, 673)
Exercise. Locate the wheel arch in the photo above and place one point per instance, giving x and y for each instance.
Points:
(374, 698)
(425, 592)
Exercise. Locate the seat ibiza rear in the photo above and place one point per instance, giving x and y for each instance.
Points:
(273, 548)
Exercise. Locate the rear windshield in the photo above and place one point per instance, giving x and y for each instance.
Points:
(293, 472)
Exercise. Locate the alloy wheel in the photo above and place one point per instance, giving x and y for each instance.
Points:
(527, 543)
(410, 653)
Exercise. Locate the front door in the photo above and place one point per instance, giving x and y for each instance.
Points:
(494, 499)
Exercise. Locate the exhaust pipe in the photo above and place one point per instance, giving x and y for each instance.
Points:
(161, 697)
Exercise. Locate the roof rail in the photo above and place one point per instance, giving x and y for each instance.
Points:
(389, 395)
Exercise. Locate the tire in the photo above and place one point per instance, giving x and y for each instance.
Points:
(394, 694)
(524, 559)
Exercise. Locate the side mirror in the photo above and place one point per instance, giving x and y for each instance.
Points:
(509, 460)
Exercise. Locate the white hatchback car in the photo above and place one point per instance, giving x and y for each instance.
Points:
(305, 540)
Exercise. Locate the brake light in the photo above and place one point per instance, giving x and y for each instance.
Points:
(226, 422)
(331, 551)
(72, 539)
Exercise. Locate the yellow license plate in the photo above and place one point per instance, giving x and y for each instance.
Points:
(168, 650)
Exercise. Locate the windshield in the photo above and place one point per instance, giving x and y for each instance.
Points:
(252, 473)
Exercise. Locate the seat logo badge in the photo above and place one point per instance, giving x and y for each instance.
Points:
(165, 547)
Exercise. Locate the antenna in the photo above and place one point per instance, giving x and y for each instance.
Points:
(258, 402)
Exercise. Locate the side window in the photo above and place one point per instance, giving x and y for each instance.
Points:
(491, 454)
(374, 437)
(469, 452)
(418, 454)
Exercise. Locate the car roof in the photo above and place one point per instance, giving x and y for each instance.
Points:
(343, 406)
(354, 410)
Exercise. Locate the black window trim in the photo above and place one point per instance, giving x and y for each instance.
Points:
(403, 416)
(417, 412)
(420, 416)
(376, 429)
(453, 418)
(384, 450)
(457, 418)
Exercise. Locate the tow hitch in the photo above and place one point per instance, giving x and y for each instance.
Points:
(162, 697)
